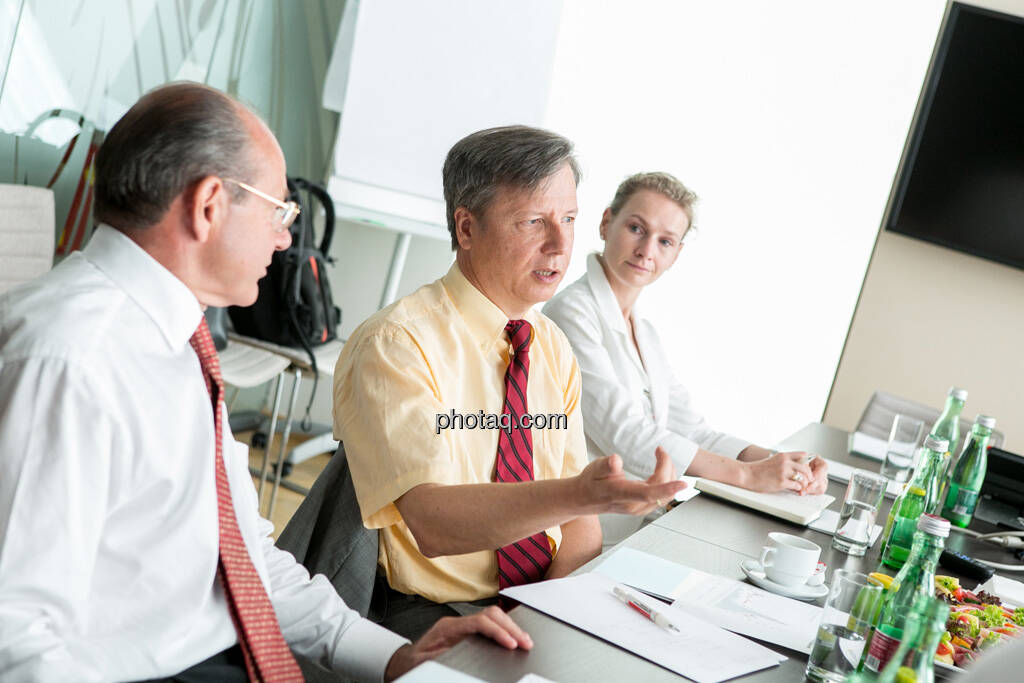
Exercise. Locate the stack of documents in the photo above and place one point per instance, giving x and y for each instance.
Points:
(724, 602)
(700, 651)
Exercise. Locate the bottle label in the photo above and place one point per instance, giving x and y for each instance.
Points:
(966, 500)
(880, 651)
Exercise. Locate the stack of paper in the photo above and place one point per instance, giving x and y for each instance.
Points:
(701, 652)
(784, 504)
(726, 603)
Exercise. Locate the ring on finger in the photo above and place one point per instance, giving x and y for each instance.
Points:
(798, 477)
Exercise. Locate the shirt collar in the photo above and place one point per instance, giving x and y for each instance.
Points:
(605, 297)
(171, 305)
(486, 322)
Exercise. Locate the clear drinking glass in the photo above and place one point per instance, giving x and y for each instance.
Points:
(845, 624)
(863, 498)
(904, 438)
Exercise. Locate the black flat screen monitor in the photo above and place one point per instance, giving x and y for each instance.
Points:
(962, 185)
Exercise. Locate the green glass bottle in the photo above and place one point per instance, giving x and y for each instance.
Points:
(916, 578)
(948, 427)
(919, 494)
(914, 661)
(968, 474)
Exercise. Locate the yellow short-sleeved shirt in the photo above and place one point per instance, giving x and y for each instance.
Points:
(440, 349)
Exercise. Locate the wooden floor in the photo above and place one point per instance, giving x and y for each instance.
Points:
(303, 474)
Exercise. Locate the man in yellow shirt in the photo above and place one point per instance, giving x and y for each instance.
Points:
(459, 405)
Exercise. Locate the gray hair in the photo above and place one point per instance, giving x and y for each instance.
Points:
(173, 137)
(656, 181)
(519, 157)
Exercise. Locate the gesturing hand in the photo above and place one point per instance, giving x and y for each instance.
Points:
(605, 488)
(491, 622)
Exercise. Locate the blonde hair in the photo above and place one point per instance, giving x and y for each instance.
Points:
(657, 181)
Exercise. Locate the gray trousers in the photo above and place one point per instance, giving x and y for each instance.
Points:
(411, 616)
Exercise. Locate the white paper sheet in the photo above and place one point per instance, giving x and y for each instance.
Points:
(645, 572)
(434, 672)
(726, 603)
(751, 611)
(829, 520)
(702, 652)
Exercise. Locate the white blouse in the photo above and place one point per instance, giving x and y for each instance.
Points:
(630, 406)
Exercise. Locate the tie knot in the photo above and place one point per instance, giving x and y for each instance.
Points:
(519, 334)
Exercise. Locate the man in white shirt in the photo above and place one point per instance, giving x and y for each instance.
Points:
(113, 563)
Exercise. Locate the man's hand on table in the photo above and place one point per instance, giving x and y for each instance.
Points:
(605, 488)
(491, 622)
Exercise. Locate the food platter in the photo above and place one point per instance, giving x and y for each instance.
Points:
(977, 623)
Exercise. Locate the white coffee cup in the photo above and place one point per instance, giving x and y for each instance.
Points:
(789, 560)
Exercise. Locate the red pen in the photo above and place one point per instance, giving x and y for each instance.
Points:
(643, 608)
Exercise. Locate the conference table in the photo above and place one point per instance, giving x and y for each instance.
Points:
(704, 533)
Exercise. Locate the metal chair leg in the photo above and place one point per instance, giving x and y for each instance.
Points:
(279, 386)
(284, 441)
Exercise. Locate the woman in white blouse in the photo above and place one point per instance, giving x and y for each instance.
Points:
(632, 402)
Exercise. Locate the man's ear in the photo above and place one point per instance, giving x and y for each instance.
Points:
(206, 206)
(606, 219)
(466, 227)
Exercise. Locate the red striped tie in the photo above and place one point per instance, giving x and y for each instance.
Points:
(267, 656)
(527, 560)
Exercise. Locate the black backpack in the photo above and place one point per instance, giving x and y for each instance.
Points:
(295, 306)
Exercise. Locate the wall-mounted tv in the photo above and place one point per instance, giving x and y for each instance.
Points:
(962, 179)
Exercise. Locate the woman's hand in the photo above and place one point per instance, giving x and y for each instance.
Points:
(819, 482)
(785, 472)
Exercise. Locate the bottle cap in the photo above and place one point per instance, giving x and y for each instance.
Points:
(936, 443)
(934, 525)
(958, 393)
(985, 421)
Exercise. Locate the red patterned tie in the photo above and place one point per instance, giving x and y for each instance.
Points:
(267, 656)
(527, 560)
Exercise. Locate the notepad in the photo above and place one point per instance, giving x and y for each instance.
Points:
(783, 504)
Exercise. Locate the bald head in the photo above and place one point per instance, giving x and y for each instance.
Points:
(173, 137)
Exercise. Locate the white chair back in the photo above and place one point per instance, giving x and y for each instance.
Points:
(27, 233)
(876, 420)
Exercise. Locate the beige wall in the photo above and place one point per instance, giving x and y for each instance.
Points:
(928, 318)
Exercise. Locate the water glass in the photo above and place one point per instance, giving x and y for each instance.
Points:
(863, 498)
(845, 625)
(903, 440)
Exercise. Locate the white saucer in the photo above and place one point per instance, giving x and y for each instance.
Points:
(755, 572)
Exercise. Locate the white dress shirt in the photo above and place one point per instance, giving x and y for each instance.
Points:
(631, 403)
(108, 503)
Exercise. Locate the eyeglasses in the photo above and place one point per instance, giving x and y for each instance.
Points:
(286, 212)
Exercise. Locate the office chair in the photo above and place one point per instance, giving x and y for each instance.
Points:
(876, 420)
(26, 233)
